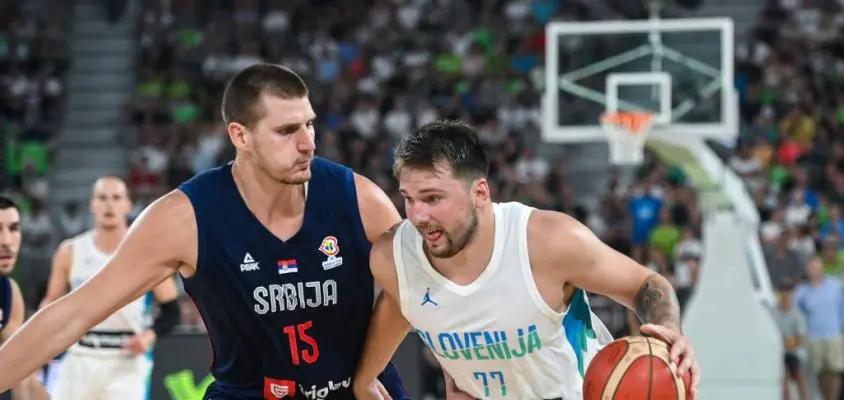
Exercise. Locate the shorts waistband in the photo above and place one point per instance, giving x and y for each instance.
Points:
(106, 339)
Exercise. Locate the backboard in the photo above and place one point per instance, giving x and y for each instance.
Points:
(679, 69)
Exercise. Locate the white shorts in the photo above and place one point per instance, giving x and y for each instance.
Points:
(95, 377)
(49, 379)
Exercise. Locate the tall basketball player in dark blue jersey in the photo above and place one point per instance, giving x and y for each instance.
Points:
(11, 300)
(273, 248)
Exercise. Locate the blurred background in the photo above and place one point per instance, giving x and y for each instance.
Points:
(133, 88)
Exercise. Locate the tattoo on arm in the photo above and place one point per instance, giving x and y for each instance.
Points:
(656, 302)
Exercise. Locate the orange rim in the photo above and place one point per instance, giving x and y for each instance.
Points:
(633, 122)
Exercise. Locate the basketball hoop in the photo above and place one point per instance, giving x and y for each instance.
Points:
(627, 133)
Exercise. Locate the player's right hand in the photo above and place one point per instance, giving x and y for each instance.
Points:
(452, 392)
(374, 391)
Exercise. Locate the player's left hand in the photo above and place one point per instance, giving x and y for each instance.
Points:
(382, 390)
(373, 391)
(681, 354)
(140, 343)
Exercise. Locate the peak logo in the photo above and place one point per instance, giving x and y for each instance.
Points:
(321, 393)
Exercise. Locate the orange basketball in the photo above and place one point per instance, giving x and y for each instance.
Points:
(633, 368)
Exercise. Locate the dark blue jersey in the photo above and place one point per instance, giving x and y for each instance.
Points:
(5, 301)
(5, 312)
(286, 319)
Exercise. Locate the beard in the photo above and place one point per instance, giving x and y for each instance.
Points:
(287, 176)
(457, 240)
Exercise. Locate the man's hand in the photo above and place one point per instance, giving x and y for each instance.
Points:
(681, 353)
(140, 343)
(374, 391)
(452, 392)
(30, 389)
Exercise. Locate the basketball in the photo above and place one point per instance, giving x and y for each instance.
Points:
(633, 368)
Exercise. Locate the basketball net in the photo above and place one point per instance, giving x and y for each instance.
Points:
(627, 133)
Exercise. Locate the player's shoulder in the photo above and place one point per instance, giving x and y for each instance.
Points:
(165, 232)
(384, 243)
(382, 259)
(382, 253)
(561, 224)
(174, 202)
(65, 249)
(170, 214)
(209, 175)
(75, 239)
(554, 237)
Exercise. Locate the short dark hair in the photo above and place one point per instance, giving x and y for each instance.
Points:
(241, 99)
(7, 202)
(453, 144)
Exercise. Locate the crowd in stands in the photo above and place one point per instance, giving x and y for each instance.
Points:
(791, 157)
(33, 62)
(378, 71)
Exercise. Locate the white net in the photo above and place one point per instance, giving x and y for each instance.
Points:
(626, 134)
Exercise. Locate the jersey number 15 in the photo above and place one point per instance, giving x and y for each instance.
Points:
(299, 333)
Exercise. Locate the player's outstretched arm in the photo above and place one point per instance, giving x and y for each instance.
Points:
(387, 328)
(30, 388)
(59, 273)
(158, 243)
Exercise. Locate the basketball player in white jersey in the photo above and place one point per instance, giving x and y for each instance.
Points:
(496, 291)
(113, 361)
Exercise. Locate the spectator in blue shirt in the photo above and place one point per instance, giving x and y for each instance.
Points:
(821, 299)
(644, 211)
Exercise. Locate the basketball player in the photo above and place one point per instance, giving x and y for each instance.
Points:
(488, 286)
(97, 366)
(273, 248)
(11, 299)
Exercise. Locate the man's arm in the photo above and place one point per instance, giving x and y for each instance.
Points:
(29, 388)
(388, 327)
(571, 253)
(590, 264)
(59, 274)
(162, 240)
(167, 296)
(377, 211)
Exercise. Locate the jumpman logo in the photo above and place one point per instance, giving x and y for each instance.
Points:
(427, 298)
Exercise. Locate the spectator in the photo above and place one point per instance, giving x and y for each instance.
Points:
(665, 236)
(644, 209)
(784, 264)
(747, 167)
(832, 256)
(72, 221)
(801, 242)
(792, 326)
(38, 229)
(821, 299)
(687, 256)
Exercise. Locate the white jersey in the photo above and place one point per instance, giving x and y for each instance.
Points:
(110, 335)
(496, 336)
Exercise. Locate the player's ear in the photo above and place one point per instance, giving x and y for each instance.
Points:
(481, 191)
(238, 135)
